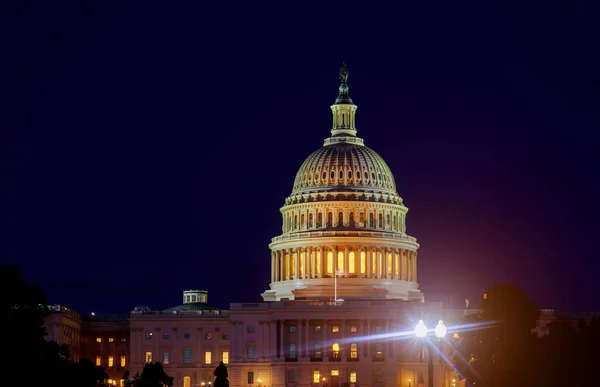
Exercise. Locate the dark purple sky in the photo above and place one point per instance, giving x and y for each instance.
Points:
(150, 146)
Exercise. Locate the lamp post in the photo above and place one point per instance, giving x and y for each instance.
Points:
(421, 333)
(324, 382)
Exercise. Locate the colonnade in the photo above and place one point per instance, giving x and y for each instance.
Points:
(347, 261)
(373, 218)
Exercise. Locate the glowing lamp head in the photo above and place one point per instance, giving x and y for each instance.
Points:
(440, 329)
(421, 329)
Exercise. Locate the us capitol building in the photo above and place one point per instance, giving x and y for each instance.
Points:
(341, 307)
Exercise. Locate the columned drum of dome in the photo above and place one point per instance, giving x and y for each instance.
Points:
(344, 216)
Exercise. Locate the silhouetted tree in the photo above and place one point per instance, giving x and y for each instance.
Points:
(153, 375)
(501, 351)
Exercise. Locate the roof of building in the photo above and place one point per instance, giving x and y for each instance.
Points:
(194, 306)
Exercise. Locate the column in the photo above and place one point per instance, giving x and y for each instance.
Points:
(322, 263)
(273, 339)
(240, 340)
(200, 357)
(307, 332)
(346, 260)
(378, 262)
(312, 262)
(325, 350)
(334, 254)
(368, 338)
(391, 342)
(299, 351)
(305, 262)
(297, 264)
(369, 255)
(415, 267)
(394, 262)
(273, 267)
(403, 264)
(281, 328)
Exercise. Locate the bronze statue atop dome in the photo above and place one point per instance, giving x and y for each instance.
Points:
(344, 73)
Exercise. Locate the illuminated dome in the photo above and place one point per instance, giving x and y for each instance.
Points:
(344, 230)
(344, 166)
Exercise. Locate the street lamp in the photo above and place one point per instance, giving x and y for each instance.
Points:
(324, 382)
(421, 332)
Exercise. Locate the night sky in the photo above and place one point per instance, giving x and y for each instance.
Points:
(150, 145)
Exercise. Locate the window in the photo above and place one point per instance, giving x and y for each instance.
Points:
(335, 329)
(111, 339)
(98, 339)
(187, 355)
(166, 358)
(98, 360)
(165, 336)
(378, 329)
(318, 328)
(208, 357)
(353, 329)
(225, 336)
(335, 350)
(292, 329)
(123, 339)
(316, 377)
(148, 357)
(318, 352)
(111, 361)
(208, 336)
(420, 378)
(352, 376)
(225, 357)
(292, 351)
(291, 376)
(335, 372)
(122, 361)
(250, 329)
(122, 383)
(353, 351)
(456, 335)
(187, 381)
(379, 351)
(250, 353)
(148, 335)
(250, 377)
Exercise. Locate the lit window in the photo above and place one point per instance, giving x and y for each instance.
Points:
(316, 377)
(250, 352)
(353, 351)
(122, 361)
(111, 339)
(111, 361)
(250, 377)
(378, 351)
(208, 357)
(250, 329)
(148, 335)
(208, 336)
(335, 372)
(98, 360)
(352, 376)
(292, 329)
(123, 339)
(318, 328)
(166, 358)
(335, 350)
(456, 335)
(187, 355)
(98, 339)
(122, 383)
(335, 329)
(148, 357)
(353, 329)
(187, 381)
(225, 357)
(165, 336)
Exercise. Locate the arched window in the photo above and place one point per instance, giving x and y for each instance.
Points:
(320, 220)
(332, 175)
(380, 225)
(187, 381)
(302, 221)
(187, 355)
(295, 222)
(292, 351)
(361, 219)
(353, 351)
(371, 220)
(351, 220)
(357, 175)
(387, 221)
(324, 176)
(310, 220)
(335, 351)
(341, 175)
(250, 352)
(395, 223)
(340, 219)
(330, 219)
(349, 175)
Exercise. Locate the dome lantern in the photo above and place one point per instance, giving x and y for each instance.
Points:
(344, 111)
